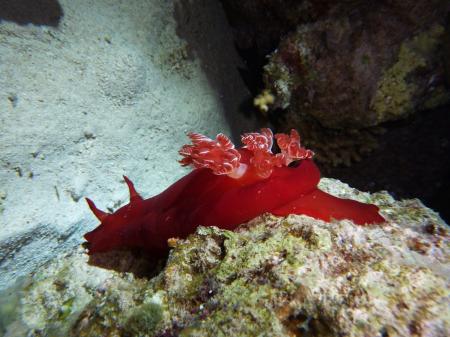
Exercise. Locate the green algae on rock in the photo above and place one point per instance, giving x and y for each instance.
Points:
(56, 299)
(399, 89)
(274, 276)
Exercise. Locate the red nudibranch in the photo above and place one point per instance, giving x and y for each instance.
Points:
(227, 187)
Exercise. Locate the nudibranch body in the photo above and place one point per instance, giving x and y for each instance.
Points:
(227, 187)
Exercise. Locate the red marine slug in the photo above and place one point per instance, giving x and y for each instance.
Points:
(227, 187)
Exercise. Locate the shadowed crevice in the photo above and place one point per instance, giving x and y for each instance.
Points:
(38, 12)
(204, 28)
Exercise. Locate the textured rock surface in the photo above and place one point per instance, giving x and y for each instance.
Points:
(347, 64)
(111, 90)
(338, 77)
(346, 78)
(291, 276)
(336, 69)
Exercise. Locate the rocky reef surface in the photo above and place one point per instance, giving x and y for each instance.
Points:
(338, 79)
(336, 70)
(274, 276)
(349, 74)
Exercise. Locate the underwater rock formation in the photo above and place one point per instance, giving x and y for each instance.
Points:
(347, 78)
(336, 61)
(336, 70)
(274, 276)
(337, 82)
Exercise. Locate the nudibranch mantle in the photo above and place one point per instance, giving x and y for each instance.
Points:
(228, 186)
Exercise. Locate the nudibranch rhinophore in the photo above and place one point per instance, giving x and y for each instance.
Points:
(228, 186)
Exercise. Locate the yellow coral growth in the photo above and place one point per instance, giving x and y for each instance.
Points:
(263, 100)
